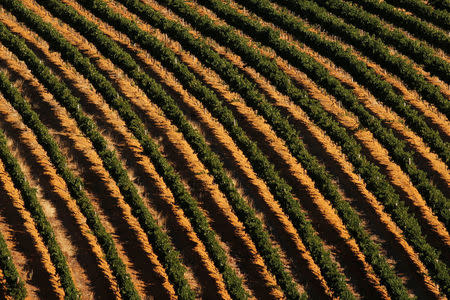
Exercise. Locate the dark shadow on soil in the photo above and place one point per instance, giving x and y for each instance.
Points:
(85, 257)
(23, 242)
(281, 237)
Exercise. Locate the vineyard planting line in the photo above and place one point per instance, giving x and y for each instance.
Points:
(101, 173)
(394, 121)
(217, 254)
(416, 225)
(413, 24)
(340, 114)
(197, 92)
(209, 264)
(376, 205)
(18, 286)
(88, 127)
(21, 203)
(237, 161)
(382, 90)
(375, 125)
(373, 49)
(416, 64)
(208, 77)
(417, 51)
(205, 257)
(425, 108)
(83, 146)
(358, 182)
(411, 225)
(32, 203)
(56, 202)
(198, 168)
(438, 17)
(155, 261)
(11, 280)
(297, 172)
(227, 186)
(145, 163)
(126, 142)
(98, 168)
(396, 124)
(176, 140)
(435, 117)
(438, 119)
(441, 195)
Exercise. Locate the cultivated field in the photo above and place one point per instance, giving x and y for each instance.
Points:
(224, 149)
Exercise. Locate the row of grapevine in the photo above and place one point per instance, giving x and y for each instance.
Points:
(188, 204)
(374, 49)
(417, 51)
(379, 88)
(310, 162)
(215, 108)
(29, 196)
(161, 242)
(438, 17)
(15, 287)
(375, 181)
(106, 89)
(317, 72)
(297, 210)
(187, 82)
(414, 25)
(174, 182)
(247, 215)
(75, 185)
(235, 42)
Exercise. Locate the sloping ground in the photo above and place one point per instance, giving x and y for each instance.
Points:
(224, 149)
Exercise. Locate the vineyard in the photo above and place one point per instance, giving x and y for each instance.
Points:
(211, 149)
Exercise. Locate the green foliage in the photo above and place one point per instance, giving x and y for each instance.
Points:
(29, 194)
(63, 95)
(434, 197)
(376, 181)
(254, 99)
(416, 50)
(411, 23)
(184, 199)
(438, 17)
(264, 169)
(15, 286)
(378, 52)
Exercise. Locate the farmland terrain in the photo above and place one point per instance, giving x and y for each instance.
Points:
(208, 149)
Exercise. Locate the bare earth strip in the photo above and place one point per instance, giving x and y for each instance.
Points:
(344, 116)
(337, 155)
(70, 207)
(210, 75)
(412, 193)
(47, 270)
(91, 272)
(128, 141)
